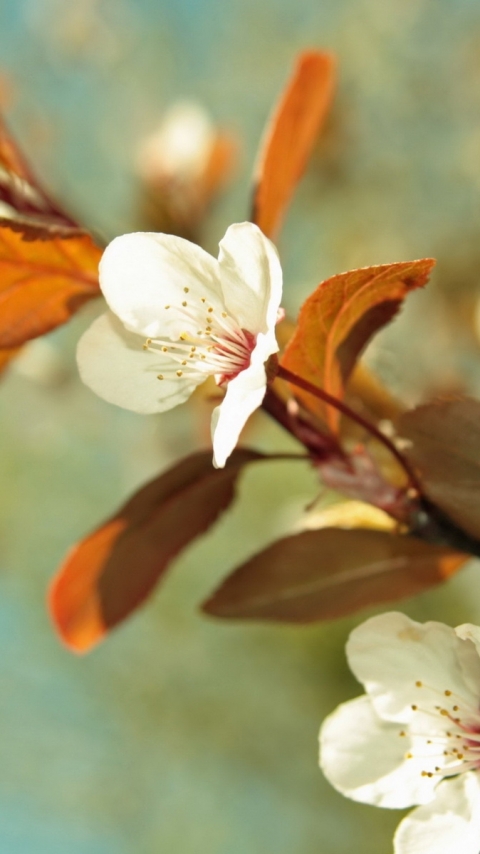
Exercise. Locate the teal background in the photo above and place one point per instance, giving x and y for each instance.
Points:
(181, 734)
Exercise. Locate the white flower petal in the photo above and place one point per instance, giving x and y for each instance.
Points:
(142, 273)
(390, 653)
(471, 658)
(251, 277)
(243, 396)
(450, 824)
(365, 758)
(113, 363)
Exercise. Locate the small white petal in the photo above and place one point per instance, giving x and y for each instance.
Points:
(251, 277)
(243, 396)
(142, 273)
(450, 824)
(365, 758)
(390, 652)
(113, 363)
(470, 660)
(469, 632)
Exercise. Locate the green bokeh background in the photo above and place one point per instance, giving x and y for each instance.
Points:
(182, 734)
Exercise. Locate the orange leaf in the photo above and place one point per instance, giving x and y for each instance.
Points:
(6, 356)
(44, 279)
(48, 266)
(110, 573)
(326, 574)
(290, 137)
(337, 321)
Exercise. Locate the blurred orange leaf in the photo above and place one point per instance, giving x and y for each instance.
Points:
(290, 137)
(111, 572)
(6, 356)
(44, 279)
(337, 321)
(48, 266)
(326, 574)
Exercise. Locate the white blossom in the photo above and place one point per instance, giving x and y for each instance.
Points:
(414, 737)
(178, 316)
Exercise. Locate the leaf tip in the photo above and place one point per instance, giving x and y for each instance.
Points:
(78, 631)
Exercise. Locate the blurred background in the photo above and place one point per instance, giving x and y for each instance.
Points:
(183, 734)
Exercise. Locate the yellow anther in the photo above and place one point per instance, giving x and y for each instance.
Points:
(179, 373)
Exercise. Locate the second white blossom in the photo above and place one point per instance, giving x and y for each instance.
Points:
(414, 737)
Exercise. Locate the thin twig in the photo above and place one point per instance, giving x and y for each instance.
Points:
(327, 398)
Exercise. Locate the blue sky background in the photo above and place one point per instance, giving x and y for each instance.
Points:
(181, 734)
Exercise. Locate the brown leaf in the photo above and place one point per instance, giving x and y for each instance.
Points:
(445, 450)
(290, 137)
(337, 321)
(322, 575)
(111, 572)
(43, 281)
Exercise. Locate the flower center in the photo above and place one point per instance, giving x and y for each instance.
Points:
(211, 343)
(446, 735)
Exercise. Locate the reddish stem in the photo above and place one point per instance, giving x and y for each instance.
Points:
(327, 398)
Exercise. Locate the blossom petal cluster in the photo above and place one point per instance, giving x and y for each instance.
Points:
(413, 739)
(177, 316)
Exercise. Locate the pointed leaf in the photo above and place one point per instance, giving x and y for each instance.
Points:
(325, 574)
(445, 450)
(111, 572)
(337, 321)
(290, 137)
(20, 189)
(48, 266)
